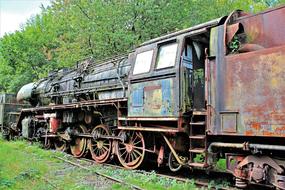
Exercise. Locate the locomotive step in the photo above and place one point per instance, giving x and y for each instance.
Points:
(199, 113)
(198, 137)
(197, 165)
(198, 123)
(197, 150)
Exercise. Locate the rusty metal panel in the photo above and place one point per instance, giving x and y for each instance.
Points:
(255, 87)
(215, 83)
(265, 29)
(214, 41)
(229, 122)
(153, 99)
(250, 84)
(231, 31)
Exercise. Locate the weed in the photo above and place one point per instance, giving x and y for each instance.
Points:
(199, 158)
(5, 183)
(25, 166)
(28, 174)
(221, 165)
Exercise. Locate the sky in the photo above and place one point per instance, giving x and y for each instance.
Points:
(14, 13)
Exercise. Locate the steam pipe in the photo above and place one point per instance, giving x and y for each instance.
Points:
(245, 146)
(225, 145)
(267, 147)
(119, 78)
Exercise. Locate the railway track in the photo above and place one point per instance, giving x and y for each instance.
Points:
(200, 183)
(100, 174)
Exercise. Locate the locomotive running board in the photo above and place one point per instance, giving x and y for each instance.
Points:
(148, 118)
(175, 130)
(74, 105)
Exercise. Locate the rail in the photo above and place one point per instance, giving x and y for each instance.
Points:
(100, 174)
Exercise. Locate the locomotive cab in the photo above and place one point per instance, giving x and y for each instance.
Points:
(154, 80)
(167, 77)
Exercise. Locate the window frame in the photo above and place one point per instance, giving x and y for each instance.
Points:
(150, 65)
(158, 51)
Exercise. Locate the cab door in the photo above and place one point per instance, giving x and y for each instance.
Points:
(154, 84)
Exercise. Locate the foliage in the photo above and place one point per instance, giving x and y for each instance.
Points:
(221, 165)
(234, 44)
(70, 30)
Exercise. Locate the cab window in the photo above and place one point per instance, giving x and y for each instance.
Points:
(166, 55)
(143, 62)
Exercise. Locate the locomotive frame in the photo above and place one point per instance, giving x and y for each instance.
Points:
(212, 90)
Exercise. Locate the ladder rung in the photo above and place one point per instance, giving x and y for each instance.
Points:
(199, 113)
(197, 150)
(198, 123)
(122, 118)
(198, 165)
(197, 137)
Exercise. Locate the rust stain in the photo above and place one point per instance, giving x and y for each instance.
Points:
(150, 88)
(261, 30)
(256, 126)
(249, 133)
(256, 82)
(268, 133)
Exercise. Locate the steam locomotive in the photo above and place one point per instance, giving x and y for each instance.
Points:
(215, 90)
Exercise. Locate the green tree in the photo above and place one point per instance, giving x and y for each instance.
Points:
(70, 30)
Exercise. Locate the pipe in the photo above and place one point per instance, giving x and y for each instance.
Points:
(120, 79)
(267, 147)
(173, 151)
(245, 146)
(226, 145)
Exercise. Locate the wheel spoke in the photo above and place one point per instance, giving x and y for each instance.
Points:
(125, 158)
(134, 140)
(123, 148)
(132, 156)
(133, 150)
(138, 142)
(132, 136)
(124, 153)
(129, 157)
(105, 148)
(96, 150)
(102, 146)
(138, 152)
(140, 148)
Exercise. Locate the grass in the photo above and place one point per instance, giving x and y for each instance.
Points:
(25, 166)
(146, 180)
(18, 170)
(220, 165)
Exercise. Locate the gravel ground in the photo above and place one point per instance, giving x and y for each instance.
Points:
(84, 179)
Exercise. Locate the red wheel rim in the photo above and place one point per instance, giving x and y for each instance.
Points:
(79, 144)
(100, 149)
(131, 152)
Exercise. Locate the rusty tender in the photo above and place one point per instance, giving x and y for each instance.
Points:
(212, 91)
